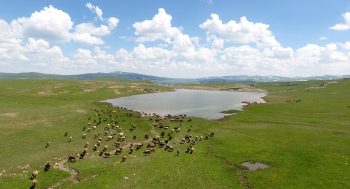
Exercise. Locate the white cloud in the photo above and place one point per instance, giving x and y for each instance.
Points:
(84, 32)
(323, 38)
(157, 28)
(123, 56)
(279, 52)
(49, 24)
(210, 2)
(87, 39)
(40, 52)
(217, 44)
(345, 46)
(142, 53)
(84, 57)
(343, 26)
(112, 23)
(182, 43)
(243, 32)
(95, 9)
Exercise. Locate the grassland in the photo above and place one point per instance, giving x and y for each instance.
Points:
(302, 133)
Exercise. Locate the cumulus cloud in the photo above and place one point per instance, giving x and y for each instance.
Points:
(243, 32)
(87, 38)
(217, 44)
(95, 9)
(89, 34)
(345, 46)
(323, 38)
(321, 55)
(84, 57)
(157, 28)
(40, 52)
(343, 26)
(48, 24)
(279, 52)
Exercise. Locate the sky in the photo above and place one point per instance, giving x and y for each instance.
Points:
(176, 38)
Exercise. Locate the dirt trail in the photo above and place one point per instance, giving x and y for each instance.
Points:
(74, 174)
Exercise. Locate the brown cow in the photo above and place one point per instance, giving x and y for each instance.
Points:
(72, 158)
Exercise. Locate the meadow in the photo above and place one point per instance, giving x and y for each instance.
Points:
(302, 133)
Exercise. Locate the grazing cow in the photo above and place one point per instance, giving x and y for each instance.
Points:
(134, 137)
(106, 154)
(34, 174)
(95, 147)
(70, 139)
(147, 152)
(131, 150)
(212, 134)
(47, 144)
(47, 166)
(146, 136)
(34, 183)
(192, 150)
(138, 146)
(71, 158)
(86, 144)
(117, 144)
(82, 155)
(118, 151)
(182, 141)
(123, 158)
(65, 134)
(84, 136)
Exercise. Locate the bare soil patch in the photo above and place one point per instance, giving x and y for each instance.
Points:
(9, 114)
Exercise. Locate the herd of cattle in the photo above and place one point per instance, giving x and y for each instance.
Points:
(117, 126)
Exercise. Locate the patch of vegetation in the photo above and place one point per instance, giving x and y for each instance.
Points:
(231, 111)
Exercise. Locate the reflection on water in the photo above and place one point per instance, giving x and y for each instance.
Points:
(197, 103)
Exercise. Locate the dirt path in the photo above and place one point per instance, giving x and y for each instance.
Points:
(74, 174)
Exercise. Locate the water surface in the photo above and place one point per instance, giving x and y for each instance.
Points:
(196, 103)
(255, 166)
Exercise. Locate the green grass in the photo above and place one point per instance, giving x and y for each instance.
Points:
(302, 133)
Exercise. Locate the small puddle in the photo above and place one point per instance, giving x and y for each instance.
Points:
(255, 166)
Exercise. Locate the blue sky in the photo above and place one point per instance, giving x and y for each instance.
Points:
(176, 38)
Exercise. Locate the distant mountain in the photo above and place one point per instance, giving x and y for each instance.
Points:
(172, 81)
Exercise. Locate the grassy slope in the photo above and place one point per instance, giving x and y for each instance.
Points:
(305, 143)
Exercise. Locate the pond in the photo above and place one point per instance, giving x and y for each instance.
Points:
(196, 103)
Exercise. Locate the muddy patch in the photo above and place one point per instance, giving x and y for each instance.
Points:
(255, 166)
